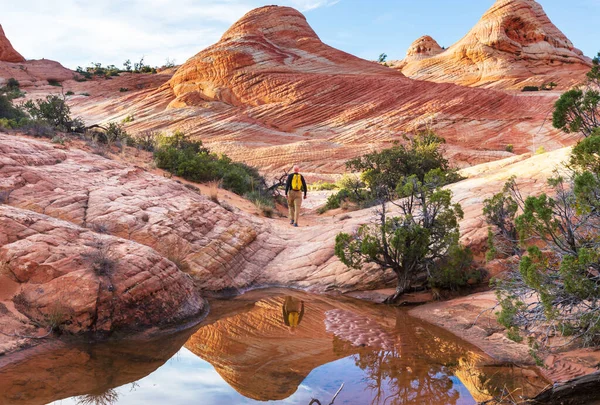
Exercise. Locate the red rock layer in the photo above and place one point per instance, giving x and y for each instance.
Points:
(423, 48)
(513, 44)
(86, 282)
(221, 248)
(7, 52)
(271, 94)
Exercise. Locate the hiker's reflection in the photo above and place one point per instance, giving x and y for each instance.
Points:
(293, 310)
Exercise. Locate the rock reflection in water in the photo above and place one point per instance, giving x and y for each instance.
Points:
(90, 372)
(276, 345)
(403, 360)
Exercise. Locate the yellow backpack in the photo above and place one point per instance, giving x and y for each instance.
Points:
(297, 182)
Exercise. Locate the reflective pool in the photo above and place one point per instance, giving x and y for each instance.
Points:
(274, 346)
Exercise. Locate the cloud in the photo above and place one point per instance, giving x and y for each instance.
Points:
(78, 32)
(307, 5)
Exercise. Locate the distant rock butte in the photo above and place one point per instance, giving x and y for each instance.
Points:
(514, 43)
(28, 72)
(274, 40)
(423, 48)
(7, 52)
(271, 94)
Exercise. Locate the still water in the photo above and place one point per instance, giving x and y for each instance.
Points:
(279, 347)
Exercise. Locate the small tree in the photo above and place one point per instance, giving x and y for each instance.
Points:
(555, 288)
(55, 111)
(127, 65)
(500, 212)
(382, 58)
(578, 110)
(424, 233)
(409, 244)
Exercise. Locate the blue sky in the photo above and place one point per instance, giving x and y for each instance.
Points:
(77, 32)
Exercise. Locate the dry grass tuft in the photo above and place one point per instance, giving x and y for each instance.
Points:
(213, 190)
(176, 250)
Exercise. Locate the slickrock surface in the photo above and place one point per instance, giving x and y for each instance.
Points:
(271, 94)
(219, 248)
(7, 52)
(36, 73)
(84, 281)
(514, 44)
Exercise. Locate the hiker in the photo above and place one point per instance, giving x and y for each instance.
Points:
(293, 311)
(294, 186)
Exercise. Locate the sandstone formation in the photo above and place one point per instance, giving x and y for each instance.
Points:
(270, 94)
(13, 65)
(423, 48)
(36, 73)
(221, 248)
(514, 44)
(93, 282)
(7, 52)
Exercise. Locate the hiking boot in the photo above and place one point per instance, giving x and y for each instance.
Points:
(296, 225)
(292, 222)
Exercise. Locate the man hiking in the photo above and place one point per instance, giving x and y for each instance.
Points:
(294, 186)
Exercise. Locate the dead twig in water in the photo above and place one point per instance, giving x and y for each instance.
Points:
(317, 402)
(336, 394)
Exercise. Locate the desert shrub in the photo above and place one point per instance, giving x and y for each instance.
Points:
(555, 287)
(84, 94)
(192, 161)
(9, 111)
(100, 259)
(38, 128)
(323, 186)
(129, 118)
(12, 84)
(578, 110)
(263, 201)
(83, 73)
(57, 314)
(55, 111)
(69, 93)
(96, 69)
(141, 67)
(147, 140)
(54, 82)
(548, 86)
(335, 200)
(426, 232)
(123, 89)
(12, 89)
(509, 148)
(116, 133)
(531, 88)
(106, 397)
(422, 236)
(540, 151)
(454, 270)
(58, 140)
(99, 227)
(5, 123)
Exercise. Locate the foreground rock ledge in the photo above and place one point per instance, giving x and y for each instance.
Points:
(56, 274)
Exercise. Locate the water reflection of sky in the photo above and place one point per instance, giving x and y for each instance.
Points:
(186, 379)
